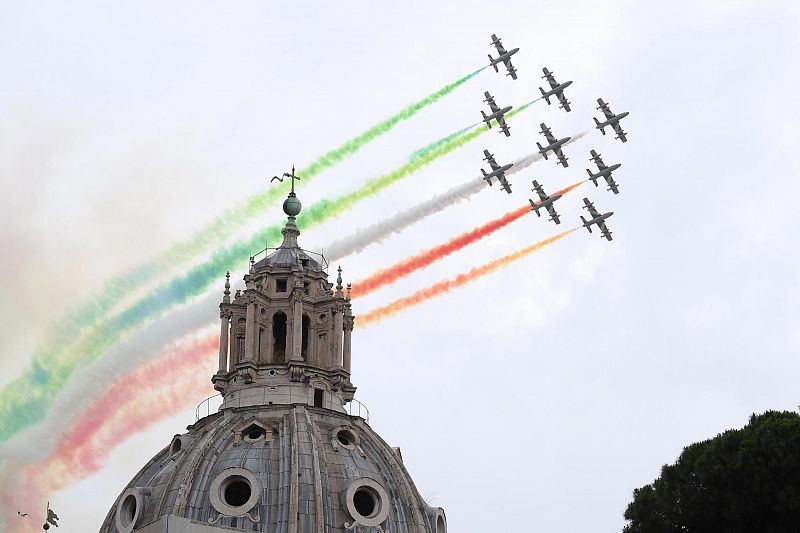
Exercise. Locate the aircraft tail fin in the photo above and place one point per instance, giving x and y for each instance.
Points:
(589, 227)
(544, 95)
(599, 127)
(488, 180)
(542, 151)
(488, 122)
(493, 63)
(592, 177)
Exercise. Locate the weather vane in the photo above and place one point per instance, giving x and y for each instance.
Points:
(286, 175)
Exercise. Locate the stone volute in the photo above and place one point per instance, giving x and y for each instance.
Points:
(282, 454)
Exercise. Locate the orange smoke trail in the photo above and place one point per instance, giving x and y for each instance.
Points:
(426, 257)
(447, 285)
(132, 403)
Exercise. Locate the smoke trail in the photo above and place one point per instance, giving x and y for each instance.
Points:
(426, 257)
(442, 287)
(25, 401)
(363, 237)
(124, 357)
(439, 142)
(62, 335)
(132, 404)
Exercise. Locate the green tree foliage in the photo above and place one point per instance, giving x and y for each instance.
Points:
(741, 481)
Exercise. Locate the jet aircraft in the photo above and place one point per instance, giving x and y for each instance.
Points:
(545, 201)
(556, 89)
(504, 57)
(605, 172)
(497, 114)
(498, 172)
(597, 219)
(611, 120)
(553, 146)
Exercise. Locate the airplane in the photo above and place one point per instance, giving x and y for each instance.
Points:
(597, 219)
(611, 120)
(554, 146)
(545, 201)
(504, 57)
(605, 172)
(556, 89)
(497, 114)
(498, 172)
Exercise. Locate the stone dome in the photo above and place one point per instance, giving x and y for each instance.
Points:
(275, 469)
(282, 454)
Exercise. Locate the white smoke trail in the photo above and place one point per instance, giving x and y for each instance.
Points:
(363, 237)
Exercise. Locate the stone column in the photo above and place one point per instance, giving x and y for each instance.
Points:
(348, 330)
(297, 324)
(338, 327)
(250, 332)
(225, 319)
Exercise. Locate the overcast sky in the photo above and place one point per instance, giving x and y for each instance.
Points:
(535, 399)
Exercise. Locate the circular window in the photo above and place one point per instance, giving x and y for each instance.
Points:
(176, 445)
(345, 437)
(234, 491)
(129, 509)
(367, 502)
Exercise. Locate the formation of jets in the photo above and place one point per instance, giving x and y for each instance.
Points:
(498, 171)
(504, 57)
(554, 145)
(556, 89)
(497, 114)
(611, 120)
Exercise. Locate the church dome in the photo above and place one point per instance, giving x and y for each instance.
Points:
(277, 468)
(283, 454)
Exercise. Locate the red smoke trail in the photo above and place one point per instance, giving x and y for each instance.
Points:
(426, 257)
(134, 402)
(447, 285)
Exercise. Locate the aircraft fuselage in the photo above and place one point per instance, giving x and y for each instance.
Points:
(557, 89)
(598, 219)
(613, 120)
(544, 203)
(552, 147)
(495, 173)
(501, 58)
(606, 171)
(497, 114)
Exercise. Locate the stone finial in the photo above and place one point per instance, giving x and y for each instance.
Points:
(349, 288)
(252, 263)
(226, 295)
(339, 282)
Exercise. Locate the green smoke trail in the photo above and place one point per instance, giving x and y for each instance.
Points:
(25, 401)
(63, 334)
(422, 152)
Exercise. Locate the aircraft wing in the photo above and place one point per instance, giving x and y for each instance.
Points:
(503, 126)
(612, 185)
(550, 78)
(510, 68)
(598, 160)
(553, 215)
(604, 108)
(561, 157)
(498, 45)
(604, 230)
(490, 100)
(490, 159)
(590, 206)
(620, 133)
(547, 133)
(539, 190)
(563, 100)
(504, 183)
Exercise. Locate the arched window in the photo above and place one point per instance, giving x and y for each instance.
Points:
(279, 337)
(306, 326)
